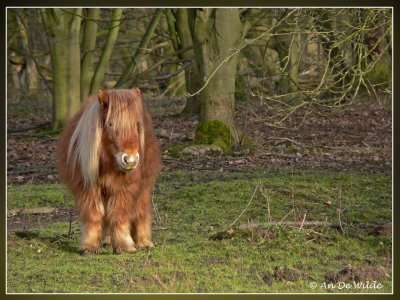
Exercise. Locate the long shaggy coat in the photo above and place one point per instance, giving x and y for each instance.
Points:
(109, 159)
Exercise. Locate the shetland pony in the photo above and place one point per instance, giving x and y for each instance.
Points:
(109, 159)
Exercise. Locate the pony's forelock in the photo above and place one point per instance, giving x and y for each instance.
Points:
(126, 111)
(85, 143)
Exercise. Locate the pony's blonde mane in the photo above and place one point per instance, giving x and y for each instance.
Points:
(124, 110)
(85, 143)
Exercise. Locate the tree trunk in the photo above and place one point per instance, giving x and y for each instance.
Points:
(288, 48)
(192, 80)
(100, 72)
(175, 86)
(32, 76)
(216, 32)
(63, 26)
(88, 47)
(333, 52)
(74, 61)
(124, 80)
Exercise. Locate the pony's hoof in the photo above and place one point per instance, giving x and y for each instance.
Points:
(88, 252)
(106, 244)
(120, 250)
(145, 244)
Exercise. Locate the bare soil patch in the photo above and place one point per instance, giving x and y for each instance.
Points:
(356, 138)
(358, 274)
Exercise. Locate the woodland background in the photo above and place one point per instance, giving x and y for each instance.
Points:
(276, 135)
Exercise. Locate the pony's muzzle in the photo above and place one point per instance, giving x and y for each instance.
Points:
(129, 162)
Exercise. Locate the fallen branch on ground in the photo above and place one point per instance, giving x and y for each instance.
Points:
(45, 170)
(31, 211)
(23, 130)
(250, 226)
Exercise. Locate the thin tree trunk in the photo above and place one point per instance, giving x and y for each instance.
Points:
(171, 27)
(192, 80)
(88, 46)
(98, 77)
(73, 62)
(123, 81)
(175, 88)
(327, 22)
(288, 48)
(32, 76)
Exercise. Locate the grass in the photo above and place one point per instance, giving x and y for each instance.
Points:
(194, 207)
(38, 195)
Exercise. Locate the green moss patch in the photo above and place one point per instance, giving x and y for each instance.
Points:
(215, 133)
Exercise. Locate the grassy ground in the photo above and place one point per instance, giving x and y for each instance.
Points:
(196, 253)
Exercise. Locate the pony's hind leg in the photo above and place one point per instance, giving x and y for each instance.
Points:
(119, 224)
(141, 225)
(91, 212)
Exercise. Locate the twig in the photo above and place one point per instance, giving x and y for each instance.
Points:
(155, 209)
(145, 261)
(302, 222)
(247, 205)
(176, 83)
(339, 210)
(280, 222)
(159, 281)
(159, 63)
(267, 197)
(364, 143)
(70, 222)
(167, 76)
(285, 139)
(280, 154)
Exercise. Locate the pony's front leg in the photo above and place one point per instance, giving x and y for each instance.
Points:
(118, 217)
(91, 213)
(141, 226)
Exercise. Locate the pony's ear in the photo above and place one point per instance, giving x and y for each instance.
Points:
(102, 95)
(136, 92)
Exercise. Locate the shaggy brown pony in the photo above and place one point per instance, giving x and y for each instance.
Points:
(109, 158)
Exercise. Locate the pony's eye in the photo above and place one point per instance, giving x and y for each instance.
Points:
(110, 124)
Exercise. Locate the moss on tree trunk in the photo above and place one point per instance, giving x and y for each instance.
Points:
(214, 133)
